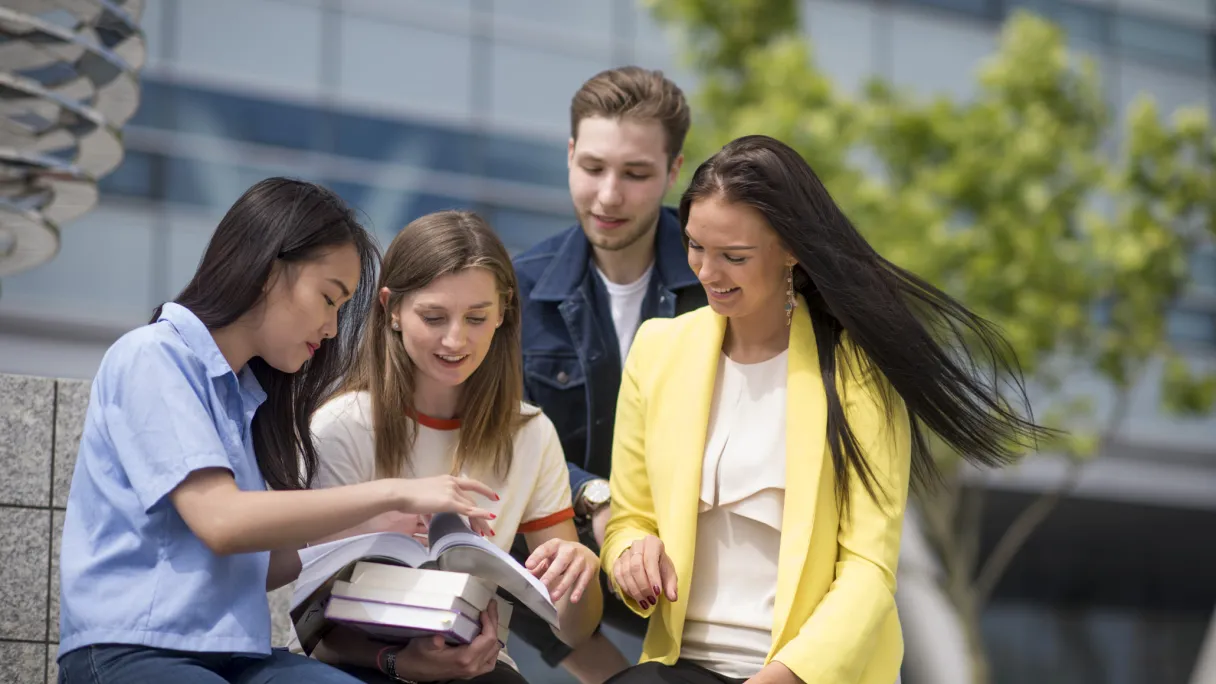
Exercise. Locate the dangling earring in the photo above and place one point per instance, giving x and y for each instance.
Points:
(790, 301)
(395, 325)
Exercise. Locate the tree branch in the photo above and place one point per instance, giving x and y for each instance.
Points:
(1019, 533)
(1035, 514)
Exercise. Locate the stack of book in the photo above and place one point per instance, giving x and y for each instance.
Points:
(394, 588)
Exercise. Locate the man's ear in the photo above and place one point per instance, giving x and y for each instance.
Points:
(673, 174)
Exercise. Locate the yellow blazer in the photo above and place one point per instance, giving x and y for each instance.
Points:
(834, 619)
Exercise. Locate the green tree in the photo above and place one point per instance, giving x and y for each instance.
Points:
(1024, 201)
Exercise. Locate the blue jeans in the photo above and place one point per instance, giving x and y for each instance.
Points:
(124, 664)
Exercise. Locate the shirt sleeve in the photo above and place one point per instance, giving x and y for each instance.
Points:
(550, 501)
(342, 457)
(157, 411)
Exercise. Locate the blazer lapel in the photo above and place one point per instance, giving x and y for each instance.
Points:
(685, 421)
(805, 441)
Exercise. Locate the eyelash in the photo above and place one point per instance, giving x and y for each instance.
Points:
(436, 320)
(328, 300)
(732, 259)
(633, 176)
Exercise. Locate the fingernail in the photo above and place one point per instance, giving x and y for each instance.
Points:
(645, 605)
(493, 517)
(497, 497)
(493, 533)
(656, 590)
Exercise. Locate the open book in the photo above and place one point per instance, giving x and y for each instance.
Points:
(454, 548)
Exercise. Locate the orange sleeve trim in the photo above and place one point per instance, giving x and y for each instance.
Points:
(547, 521)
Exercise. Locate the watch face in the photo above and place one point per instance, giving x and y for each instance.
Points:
(597, 493)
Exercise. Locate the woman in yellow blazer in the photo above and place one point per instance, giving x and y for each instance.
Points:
(769, 439)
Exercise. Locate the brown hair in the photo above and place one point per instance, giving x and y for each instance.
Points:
(632, 92)
(430, 247)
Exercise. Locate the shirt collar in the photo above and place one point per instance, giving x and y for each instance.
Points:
(198, 338)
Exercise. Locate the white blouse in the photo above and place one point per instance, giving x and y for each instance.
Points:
(729, 623)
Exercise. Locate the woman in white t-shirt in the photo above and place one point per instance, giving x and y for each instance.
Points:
(438, 390)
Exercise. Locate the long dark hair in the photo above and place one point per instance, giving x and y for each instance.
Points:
(948, 365)
(290, 222)
(429, 248)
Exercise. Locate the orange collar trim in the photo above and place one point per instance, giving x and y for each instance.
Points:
(435, 423)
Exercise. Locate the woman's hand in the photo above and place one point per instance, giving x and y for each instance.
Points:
(432, 660)
(644, 571)
(446, 494)
(564, 566)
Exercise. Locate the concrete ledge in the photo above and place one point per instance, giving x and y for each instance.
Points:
(41, 420)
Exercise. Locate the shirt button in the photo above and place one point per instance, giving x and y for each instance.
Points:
(562, 378)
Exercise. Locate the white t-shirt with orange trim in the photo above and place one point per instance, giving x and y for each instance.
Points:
(534, 494)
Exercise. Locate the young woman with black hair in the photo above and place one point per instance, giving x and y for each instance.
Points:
(171, 538)
(764, 444)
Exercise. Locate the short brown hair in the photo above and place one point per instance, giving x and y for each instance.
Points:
(632, 92)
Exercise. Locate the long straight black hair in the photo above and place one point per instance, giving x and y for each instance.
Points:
(951, 368)
(284, 221)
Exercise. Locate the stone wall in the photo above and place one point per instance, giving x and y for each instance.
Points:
(40, 424)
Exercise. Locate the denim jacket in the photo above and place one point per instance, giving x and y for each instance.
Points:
(572, 364)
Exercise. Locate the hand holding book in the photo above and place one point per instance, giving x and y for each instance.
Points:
(564, 567)
(433, 659)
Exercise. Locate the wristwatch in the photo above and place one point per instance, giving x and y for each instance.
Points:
(592, 496)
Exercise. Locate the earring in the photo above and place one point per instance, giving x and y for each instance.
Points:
(396, 325)
(790, 300)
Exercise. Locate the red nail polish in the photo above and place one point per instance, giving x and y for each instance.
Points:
(493, 517)
(656, 590)
(497, 497)
(493, 533)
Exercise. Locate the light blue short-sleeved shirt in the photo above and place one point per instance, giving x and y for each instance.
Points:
(164, 403)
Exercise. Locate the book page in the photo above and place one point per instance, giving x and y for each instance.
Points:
(459, 549)
(321, 561)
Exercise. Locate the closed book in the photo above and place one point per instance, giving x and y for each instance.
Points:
(391, 622)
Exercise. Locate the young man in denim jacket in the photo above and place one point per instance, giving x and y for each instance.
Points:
(585, 291)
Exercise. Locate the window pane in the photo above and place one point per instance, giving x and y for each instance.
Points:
(132, 178)
(516, 159)
(103, 272)
(385, 211)
(1150, 39)
(982, 8)
(1196, 10)
(519, 230)
(934, 54)
(156, 104)
(215, 185)
(563, 16)
(1192, 325)
(390, 65)
(261, 43)
(407, 143)
(531, 88)
(1203, 272)
(843, 37)
(238, 117)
